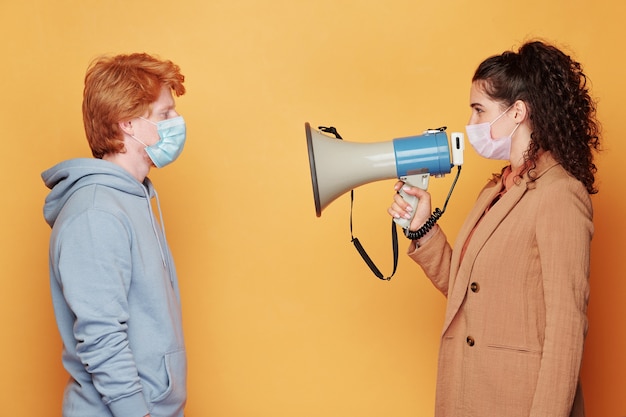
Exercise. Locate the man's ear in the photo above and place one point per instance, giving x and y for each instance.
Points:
(521, 111)
(127, 127)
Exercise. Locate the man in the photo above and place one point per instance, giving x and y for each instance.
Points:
(113, 282)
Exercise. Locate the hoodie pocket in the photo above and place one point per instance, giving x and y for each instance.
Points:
(176, 387)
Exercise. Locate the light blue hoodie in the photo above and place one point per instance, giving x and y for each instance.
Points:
(115, 294)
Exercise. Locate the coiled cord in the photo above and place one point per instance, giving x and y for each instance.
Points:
(432, 220)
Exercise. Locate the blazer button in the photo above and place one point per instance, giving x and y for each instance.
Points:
(474, 287)
(470, 341)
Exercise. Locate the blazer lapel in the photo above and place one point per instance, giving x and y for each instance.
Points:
(460, 271)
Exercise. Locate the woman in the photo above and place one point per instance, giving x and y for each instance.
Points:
(516, 280)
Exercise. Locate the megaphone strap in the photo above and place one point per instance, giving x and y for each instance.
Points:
(363, 253)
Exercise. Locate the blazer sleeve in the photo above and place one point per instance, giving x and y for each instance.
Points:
(564, 229)
(434, 257)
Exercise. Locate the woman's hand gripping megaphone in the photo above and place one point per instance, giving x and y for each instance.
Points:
(413, 209)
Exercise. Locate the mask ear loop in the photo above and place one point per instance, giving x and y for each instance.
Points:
(501, 114)
(514, 129)
(132, 136)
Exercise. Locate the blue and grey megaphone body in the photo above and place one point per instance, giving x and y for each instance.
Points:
(338, 166)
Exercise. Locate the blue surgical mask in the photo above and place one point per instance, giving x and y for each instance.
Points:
(172, 134)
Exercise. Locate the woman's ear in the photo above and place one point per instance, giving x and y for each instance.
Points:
(521, 111)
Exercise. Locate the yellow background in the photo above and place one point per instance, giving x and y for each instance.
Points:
(282, 317)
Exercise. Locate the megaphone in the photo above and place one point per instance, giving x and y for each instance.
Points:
(338, 166)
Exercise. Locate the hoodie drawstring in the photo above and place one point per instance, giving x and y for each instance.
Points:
(153, 221)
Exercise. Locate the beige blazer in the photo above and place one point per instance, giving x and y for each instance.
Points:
(515, 323)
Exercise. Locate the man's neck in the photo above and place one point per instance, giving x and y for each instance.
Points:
(138, 170)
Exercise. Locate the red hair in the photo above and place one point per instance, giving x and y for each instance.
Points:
(120, 88)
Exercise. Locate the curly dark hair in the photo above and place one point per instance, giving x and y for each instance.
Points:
(562, 113)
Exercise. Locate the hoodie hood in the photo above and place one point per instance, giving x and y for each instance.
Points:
(66, 177)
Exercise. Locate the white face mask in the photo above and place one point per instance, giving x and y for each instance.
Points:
(487, 146)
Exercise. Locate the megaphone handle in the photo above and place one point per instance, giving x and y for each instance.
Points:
(420, 181)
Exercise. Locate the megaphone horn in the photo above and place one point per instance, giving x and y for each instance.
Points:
(338, 166)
